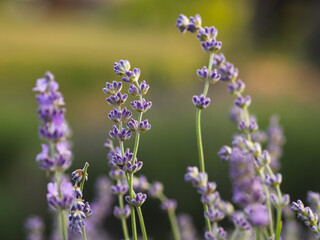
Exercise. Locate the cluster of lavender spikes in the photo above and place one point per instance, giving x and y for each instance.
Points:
(255, 185)
(124, 163)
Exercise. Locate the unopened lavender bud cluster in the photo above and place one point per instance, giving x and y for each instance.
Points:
(79, 209)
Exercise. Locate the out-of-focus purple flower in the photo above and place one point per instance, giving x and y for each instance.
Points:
(192, 174)
(242, 102)
(221, 235)
(122, 135)
(225, 153)
(169, 204)
(228, 71)
(279, 203)
(211, 198)
(226, 207)
(240, 221)
(214, 215)
(236, 114)
(236, 87)
(194, 24)
(258, 214)
(119, 189)
(218, 60)
(77, 175)
(313, 199)
(125, 213)
(133, 125)
(132, 76)
(182, 23)
(187, 229)
(140, 184)
(201, 101)
(207, 34)
(141, 106)
(112, 88)
(43, 158)
(35, 227)
(63, 155)
(138, 200)
(211, 45)
(214, 76)
(144, 126)
(67, 195)
(120, 116)
(276, 140)
(273, 180)
(117, 99)
(155, 189)
(121, 67)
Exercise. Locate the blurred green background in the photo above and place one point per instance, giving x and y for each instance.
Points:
(275, 44)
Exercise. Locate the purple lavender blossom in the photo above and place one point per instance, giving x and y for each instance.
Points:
(273, 180)
(207, 33)
(218, 60)
(133, 125)
(35, 227)
(120, 161)
(144, 126)
(211, 45)
(138, 200)
(67, 195)
(63, 155)
(77, 191)
(117, 99)
(201, 101)
(203, 73)
(112, 88)
(214, 215)
(155, 189)
(125, 213)
(240, 221)
(141, 106)
(141, 90)
(182, 23)
(242, 102)
(194, 24)
(43, 158)
(169, 204)
(214, 76)
(119, 189)
(121, 67)
(228, 71)
(132, 76)
(225, 153)
(258, 214)
(120, 116)
(122, 135)
(236, 87)
(133, 167)
(221, 235)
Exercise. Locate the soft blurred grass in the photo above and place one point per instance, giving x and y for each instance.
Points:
(80, 48)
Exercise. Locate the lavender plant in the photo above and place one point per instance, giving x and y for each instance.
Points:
(251, 174)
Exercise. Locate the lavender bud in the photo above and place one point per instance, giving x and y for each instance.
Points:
(156, 189)
(53, 196)
(77, 191)
(87, 209)
(43, 158)
(120, 68)
(228, 72)
(225, 153)
(214, 76)
(117, 99)
(203, 73)
(132, 76)
(119, 189)
(77, 175)
(253, 126)
(144, 126)
(144, 88)
(133, 125)
(226, 207)
(117, 174)
(264, 159)
(169, 204)
(120, 136)
(242, 102)
(125, 213)
(120, 161)
(236, 87)
(141, 106)
(133, 90)
(76, 220)
(194, 24)
(274, 180)
(240, 221)
(211, 45)
(218, 60)
(192, 174)
(207, 34)
(119, 116)
(138, 200)
(214, 215)
(182, 23)
(221, 234)
(77, 204)
(112, 88)
(201, 102)
(132, 168)
(210, 199)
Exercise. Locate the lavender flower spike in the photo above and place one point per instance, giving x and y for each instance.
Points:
(121, 67)
(201, 101)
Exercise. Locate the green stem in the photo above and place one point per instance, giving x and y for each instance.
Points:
(84, 234)
(143, 228)
(234, 234)
(123, 220)
(174, 224)
(64, 225)
(279, 224)
(84, 173)
(257, 233)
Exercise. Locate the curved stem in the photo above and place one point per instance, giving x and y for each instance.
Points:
(143, 228)
(123, 220)
(234, 234)
(84, 234)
